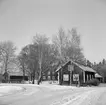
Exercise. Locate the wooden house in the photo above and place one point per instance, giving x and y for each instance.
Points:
(72, 73)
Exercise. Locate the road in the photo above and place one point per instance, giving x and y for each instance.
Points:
(39, 95)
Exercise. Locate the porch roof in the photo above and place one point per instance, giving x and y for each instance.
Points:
(98, 76)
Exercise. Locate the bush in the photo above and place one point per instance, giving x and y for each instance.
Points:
(93, 82)
(83, 84)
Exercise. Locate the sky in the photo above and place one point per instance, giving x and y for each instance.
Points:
(20, 20)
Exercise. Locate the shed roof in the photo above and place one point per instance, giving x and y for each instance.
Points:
(98, 76)
(84, 68)
(16, 74)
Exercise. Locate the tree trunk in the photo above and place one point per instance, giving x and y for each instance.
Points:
(6, 74)
(23, 73)
(33, 80)
(40, 68)
(61, 76)
(40, 77)
(33, 76)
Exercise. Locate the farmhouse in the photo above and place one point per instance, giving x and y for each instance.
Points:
(72, 73)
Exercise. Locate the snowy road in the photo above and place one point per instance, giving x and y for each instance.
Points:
(55, 95)
(90, 98)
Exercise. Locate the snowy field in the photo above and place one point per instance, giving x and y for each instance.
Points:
(4, 90)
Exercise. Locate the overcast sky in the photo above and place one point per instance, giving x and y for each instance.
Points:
(22, 19)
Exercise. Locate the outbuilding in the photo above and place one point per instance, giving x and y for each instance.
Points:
(17, 77)
(73, 73)
(99, 77)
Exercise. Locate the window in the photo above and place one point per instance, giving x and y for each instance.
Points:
(65, 77)
(48, 72)
(53, 72)
(49, 78)
(53, 77)
(70, 67)
(44, 77)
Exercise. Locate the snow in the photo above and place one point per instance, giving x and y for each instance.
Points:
(89, 97)
(4, 90)
(84, 98)
(86, 94)
(57, 87)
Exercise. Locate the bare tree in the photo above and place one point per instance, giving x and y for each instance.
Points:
(28, 61)
(7, 55)
(68, 45)
(42, 42)
(74, 50)
(22, 62)
(59, 42)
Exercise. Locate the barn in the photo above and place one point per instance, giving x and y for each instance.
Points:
(73, 73)
(17, 77)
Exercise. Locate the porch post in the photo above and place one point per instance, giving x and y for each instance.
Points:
(58, 78)
(84, 76)
(90, 77)
(70, 77)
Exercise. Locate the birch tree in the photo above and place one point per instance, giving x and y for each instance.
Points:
(42, 42)
(74, 49)
(59, 43)
(68, 46)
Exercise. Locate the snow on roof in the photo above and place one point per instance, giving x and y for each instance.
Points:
(16, 74)
(58, 68)
(84, 68)
(98, 76)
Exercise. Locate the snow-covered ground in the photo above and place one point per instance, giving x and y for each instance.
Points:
(76, 96)
(11, 88)
(4, 90)
(57, 87)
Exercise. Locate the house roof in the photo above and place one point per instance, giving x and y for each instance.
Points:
(16, 74)
(84, 68)
(98, 76)
(58, 68)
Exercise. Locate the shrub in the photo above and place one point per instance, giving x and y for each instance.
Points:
(93, 82)
(83, 84)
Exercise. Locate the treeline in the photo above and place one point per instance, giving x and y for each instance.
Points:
(43, 53)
